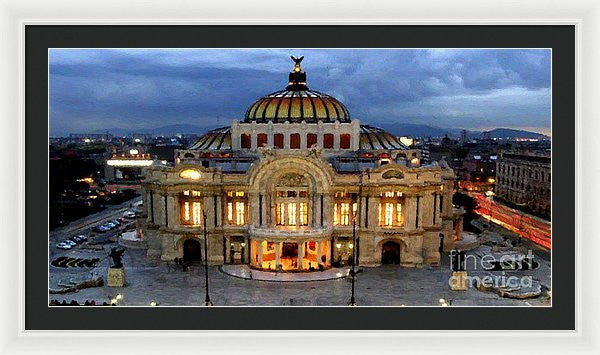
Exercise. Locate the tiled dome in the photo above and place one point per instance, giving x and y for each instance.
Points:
(297, 103)
(297, 106)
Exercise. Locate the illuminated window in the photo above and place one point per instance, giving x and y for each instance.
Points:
(345, 211)
(280, 212)
(291, 214)
(341, 208)
(291, 201)
(196, 213)
(230, 211)
(389, 214)
(239, 213)
(190, 203)
(191, 174)
(303, 214)
(236, 207)
(390, 209)
(336, 217)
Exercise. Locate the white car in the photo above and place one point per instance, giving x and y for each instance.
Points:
(63, 246)
(129, 214)
(69, 243)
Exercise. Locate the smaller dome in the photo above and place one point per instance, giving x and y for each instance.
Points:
(217, 139)
(375, 138)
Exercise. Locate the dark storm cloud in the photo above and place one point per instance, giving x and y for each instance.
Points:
(91, 90)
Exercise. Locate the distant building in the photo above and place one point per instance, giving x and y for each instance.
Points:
(124, 169)
(524, 178)
(90, 137)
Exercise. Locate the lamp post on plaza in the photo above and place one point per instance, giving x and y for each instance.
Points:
(207, 301)
(352, 273)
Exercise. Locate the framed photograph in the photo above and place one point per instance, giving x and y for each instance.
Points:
(296, 178)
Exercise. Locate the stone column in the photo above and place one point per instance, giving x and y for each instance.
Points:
(259, 250)
(173, 210)
(219, 209)
(277, 253)
(327, 209)
(362, 210)
(227, 250)
(426, 210)
(253, 139)
(319, 252)
(410, 212)
(300, 254)
(208, 207)
(373, 211)
(286, 140)
(253, 209)
(303, 140)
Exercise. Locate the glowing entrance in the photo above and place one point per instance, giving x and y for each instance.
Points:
(309, 255)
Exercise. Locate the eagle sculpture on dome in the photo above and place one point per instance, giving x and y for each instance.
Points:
(297, 60)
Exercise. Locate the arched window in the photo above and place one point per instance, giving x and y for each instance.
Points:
(261, 140)
(190, 207)
(311, 139)
(344, 208)
(328, 141)
(345, 141)
(246, 141)
(278, 140)
(294, 141)
(237, 203)
(291, 201)
(391, 211)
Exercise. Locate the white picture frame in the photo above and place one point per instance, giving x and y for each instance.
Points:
(15, 15)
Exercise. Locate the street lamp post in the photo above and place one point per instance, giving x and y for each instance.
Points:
(353, 274)
(207, 301)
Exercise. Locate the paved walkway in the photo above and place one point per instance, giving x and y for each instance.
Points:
(245, 272)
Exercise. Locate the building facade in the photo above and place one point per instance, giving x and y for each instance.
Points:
(524, 178)
(281, 189)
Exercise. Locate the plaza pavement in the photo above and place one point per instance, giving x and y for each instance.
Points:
(389, 285)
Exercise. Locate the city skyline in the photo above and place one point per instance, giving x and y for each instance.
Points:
(92, 90)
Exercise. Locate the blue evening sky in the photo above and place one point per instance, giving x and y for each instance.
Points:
(94, 89)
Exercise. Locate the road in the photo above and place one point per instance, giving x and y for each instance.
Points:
(83, 225)
(527, 226)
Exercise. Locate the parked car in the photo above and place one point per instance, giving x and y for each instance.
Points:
(115, 221)
(70, 242)
(100, 229)
(109, 225)
(129, 214)
(63, 246)
(80, 238)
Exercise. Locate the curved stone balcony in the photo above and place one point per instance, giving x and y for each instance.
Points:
(290, 233)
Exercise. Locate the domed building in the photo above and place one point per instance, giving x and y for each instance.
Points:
(281, 188)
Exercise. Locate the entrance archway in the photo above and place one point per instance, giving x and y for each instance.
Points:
(191, 250)
(390, 253)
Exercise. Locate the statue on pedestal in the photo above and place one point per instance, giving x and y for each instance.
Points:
(117, 255)
(116, 273)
